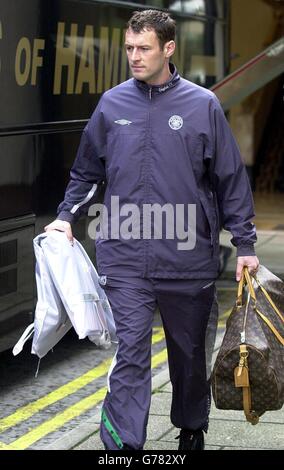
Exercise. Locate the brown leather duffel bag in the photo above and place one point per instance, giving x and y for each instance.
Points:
(249, 370)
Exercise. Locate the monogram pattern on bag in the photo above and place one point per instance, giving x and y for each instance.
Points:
(265, 359)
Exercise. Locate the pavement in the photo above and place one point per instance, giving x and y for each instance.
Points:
(228, 430)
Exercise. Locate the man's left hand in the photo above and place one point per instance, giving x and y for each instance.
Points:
(251, 262)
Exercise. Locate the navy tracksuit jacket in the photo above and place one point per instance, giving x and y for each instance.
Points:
(168, 144)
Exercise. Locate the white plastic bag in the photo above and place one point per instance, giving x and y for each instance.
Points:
(69, 294)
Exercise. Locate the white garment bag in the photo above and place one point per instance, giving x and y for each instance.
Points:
(69, 294)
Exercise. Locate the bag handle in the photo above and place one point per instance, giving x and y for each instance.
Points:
(239, 301)
(246, 276)
(245, 279)
(249, 283)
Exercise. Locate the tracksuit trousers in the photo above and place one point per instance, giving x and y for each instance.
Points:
(185, 306)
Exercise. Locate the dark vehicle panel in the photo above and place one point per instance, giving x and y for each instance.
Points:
(56, 59)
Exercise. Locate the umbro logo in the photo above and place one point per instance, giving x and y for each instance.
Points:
(123, 122)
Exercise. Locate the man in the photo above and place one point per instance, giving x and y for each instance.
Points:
(159, 143)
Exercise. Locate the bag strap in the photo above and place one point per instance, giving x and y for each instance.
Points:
(262, 316)
(251, 417)
(29, 331)
(270, 300)
(242, 380)
(271, 326)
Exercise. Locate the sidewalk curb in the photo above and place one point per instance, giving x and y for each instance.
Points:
(91, 426)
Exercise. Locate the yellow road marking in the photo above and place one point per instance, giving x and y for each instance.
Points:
(32, 408)
(72, 412)
(223, 317)
(29, 410)
(59, 420)
(226, 314)
(159, 358)
(159, 336)
(4, 446)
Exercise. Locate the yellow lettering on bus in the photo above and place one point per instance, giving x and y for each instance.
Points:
(65, 57)
(37, 59)
(86, 73)
(23, 53)
(108, 59)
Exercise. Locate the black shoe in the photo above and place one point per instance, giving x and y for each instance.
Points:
(126, 447)
(191, 440)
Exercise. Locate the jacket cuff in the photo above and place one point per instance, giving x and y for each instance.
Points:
(66, 216)
(245, 250)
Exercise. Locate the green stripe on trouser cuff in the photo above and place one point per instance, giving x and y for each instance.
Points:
(111, 430)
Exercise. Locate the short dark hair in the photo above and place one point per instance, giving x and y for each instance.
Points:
(160, 21)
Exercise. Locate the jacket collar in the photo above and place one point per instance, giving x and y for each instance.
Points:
(174, 79)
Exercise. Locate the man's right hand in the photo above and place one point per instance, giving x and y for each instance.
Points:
(61, 226)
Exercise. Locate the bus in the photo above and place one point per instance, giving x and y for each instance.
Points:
(56, 59)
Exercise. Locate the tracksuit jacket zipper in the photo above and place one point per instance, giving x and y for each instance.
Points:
(147, 183)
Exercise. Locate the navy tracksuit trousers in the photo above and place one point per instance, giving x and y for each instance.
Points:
(185, 307)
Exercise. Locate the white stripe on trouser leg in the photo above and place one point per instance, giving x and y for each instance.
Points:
(87, 198)
(112, 366)
(208, 285)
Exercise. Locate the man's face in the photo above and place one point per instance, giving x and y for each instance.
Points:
(146, 59)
